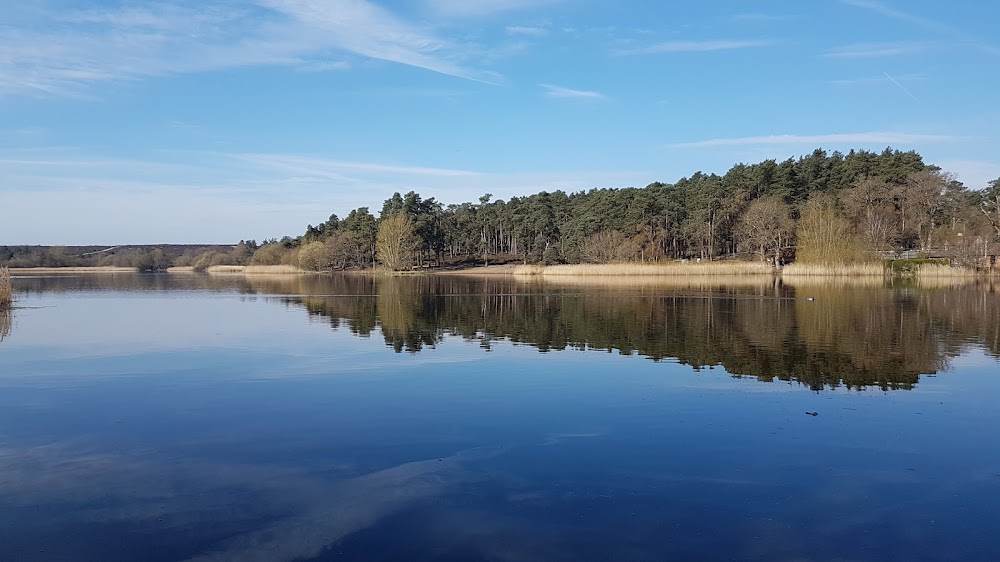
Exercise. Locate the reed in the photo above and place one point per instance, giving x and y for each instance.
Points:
(654, 282)
(651, 269)
(829, 270)
(6, 289)
(931, 270)
(224, 269)
(51, 270)
(272, 270)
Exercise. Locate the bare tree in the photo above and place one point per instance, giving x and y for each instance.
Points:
(990, 204)
(608, 246)
(869, 202)
(395, 242)
(765, 228)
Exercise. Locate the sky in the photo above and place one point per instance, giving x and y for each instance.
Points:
(211, 121)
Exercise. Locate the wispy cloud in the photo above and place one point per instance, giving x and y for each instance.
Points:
(693, 47)
(872, 80)
(758, 17)
(480, 8)
(63, 54)
(526, 30)
(935, 25)
(889, 12)
(874, 50)
(872, 138)
(561, 92)
(332, 168)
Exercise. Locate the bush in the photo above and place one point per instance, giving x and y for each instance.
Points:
(315, 256)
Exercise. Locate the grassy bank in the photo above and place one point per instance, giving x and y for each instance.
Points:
(733, 268)
(6, 289)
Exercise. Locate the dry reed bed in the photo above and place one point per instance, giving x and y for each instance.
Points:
(845, 270)
(929, 270)
(255, 269)
(6, 289)
(640, 269)
(50, 270)
(694, 282)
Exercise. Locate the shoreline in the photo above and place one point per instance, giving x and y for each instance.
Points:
(647, 271)
(22, 271)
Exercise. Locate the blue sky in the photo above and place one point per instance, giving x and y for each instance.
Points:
(216, 120)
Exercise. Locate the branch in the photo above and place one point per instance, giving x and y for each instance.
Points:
(989, 216)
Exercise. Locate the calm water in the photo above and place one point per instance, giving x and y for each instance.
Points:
(172, 418)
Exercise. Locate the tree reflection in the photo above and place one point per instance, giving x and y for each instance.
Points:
(6, 321)
(850, 335)
(854, 335)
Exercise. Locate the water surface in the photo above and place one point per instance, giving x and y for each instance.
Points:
(347, 418)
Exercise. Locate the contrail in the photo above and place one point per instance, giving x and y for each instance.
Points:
(909, 93)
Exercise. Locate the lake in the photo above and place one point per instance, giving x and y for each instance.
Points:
(189, 417)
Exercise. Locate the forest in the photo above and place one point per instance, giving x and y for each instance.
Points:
(824, 208)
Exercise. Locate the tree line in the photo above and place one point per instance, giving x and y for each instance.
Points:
(821, 208)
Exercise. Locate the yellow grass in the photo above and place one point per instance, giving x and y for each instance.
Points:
(928, 270)
(181, 269)
(225, 269)
(255, 269)
(49, 270)
(272, 270)
(640, 269)
(6, 289)
(847, 270)
(639, 282)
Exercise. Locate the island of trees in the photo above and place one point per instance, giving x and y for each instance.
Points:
(828, 209)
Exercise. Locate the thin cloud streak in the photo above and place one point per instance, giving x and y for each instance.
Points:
(527, 31)
(560, 92)
(481, 8)
(874, 50)
(693, 47)
(919, 21)
(901, 87)
(873, 138)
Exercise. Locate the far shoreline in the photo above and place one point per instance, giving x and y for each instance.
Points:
(646, 271)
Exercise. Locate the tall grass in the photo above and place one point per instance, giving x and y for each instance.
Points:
(846, 269)
(638, 269)
(94, 269)
(929, 270)
(255, 269)
(272, 270)
(6, 289)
